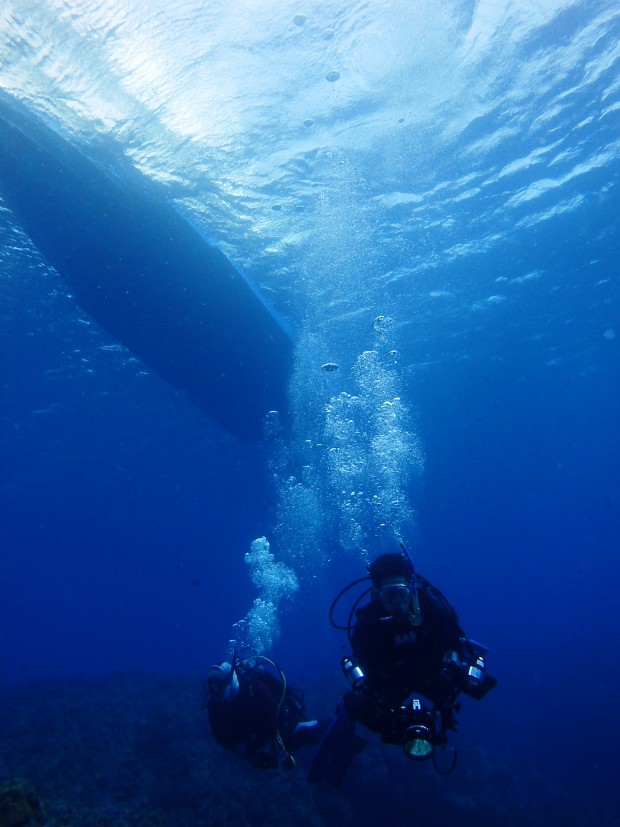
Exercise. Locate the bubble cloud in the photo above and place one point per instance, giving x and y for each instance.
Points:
(276, 583)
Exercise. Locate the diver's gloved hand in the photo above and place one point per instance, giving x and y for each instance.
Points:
(367, 708)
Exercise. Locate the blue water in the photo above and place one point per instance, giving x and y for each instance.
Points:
(460, 177)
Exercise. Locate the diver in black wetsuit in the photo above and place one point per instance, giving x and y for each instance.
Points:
(410, 661)
(254, 711)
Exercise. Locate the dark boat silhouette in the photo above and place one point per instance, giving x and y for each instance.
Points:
(145, 273)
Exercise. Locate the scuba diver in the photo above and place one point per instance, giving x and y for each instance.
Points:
(410, 661)
(253, 710)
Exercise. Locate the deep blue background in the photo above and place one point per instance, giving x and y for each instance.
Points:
(126, 513)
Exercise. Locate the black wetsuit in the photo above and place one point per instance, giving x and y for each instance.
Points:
(259, 720)
(250, 719)
(419, 654)
(404, 654)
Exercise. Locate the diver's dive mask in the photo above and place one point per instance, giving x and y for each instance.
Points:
(394, 595)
